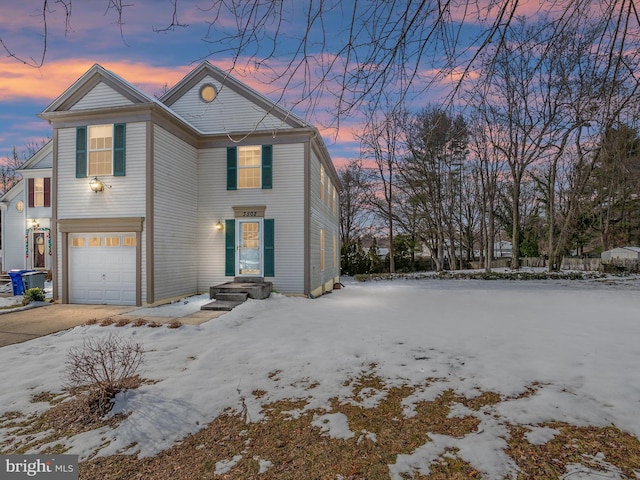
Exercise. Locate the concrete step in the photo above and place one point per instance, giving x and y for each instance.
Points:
(220, 305)
(254, 290)
(232, 296)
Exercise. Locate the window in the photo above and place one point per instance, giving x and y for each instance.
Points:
(39, 192)
(321, 250)
(335, 251)
(322, 187)
(77, 242)
(335, 201)
(129, 241)
(112, 241)
(95, 241)
(100, 150)
(249, 167)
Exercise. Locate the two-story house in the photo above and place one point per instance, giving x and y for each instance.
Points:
(154, 199)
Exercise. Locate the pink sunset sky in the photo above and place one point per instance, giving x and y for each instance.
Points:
(144, 55)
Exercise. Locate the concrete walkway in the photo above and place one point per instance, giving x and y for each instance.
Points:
(20, 326)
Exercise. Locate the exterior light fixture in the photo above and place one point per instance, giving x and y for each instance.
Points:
(96, 185)
(34, 224)
(219, 226)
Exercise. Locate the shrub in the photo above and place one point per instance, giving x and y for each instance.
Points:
(101, 368)
(34, 295)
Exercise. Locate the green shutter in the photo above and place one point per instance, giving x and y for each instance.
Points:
(119, 150)
(232, 168)
(267, 166)
(269, 250)
(230, 248)
(81, 152)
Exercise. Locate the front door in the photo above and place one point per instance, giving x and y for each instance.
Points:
(249, 248)
(38, 250)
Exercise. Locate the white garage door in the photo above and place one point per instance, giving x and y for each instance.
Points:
(102, 268)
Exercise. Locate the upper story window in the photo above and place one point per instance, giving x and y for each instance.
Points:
(39, 192)
(249, 167)
(100, 150)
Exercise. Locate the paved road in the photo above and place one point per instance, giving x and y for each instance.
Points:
(16, 327)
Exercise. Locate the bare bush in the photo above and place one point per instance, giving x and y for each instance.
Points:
(102, 367)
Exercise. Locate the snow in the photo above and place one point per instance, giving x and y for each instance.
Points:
(575, 343)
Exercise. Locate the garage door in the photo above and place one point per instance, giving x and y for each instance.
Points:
(102, 268)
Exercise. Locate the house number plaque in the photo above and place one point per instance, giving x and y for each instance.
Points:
(249, 212)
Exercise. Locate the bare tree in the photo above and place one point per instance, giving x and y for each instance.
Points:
(489, 168)
(10, 165)
(434, 171)
(354, 211)
(380, 143)
(357, 52)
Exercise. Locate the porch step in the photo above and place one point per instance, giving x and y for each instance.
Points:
(257, 290)
(221, 305)
(232, 296)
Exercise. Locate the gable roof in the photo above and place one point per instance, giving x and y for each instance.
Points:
(92, 77)
(13, 192)
(207, 69)
(36, 158)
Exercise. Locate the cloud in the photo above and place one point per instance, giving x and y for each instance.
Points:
(19, 82)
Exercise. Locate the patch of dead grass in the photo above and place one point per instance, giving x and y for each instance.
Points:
(71, 413)
(574, 445)
(296, 449)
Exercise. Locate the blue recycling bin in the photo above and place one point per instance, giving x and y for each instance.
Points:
(16, 280)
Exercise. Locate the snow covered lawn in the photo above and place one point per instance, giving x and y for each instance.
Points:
(543, 351)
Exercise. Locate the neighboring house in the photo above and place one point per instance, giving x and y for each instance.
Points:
(152, 200)
(502, 248)
(621, 253)
(26, 216)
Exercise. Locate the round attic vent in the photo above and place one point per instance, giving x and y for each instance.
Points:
(208, 93)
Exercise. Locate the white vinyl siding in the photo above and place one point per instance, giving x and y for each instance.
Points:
(99, 97)
(125, 198)
(175, 220)
(229, 112)
(13, 231)
(323, 219)
(284, 204)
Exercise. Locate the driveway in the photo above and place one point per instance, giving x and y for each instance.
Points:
(23, 325)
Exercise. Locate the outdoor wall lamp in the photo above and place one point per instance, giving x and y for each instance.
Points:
(219, 226)
(34, 224)
(96, 185)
